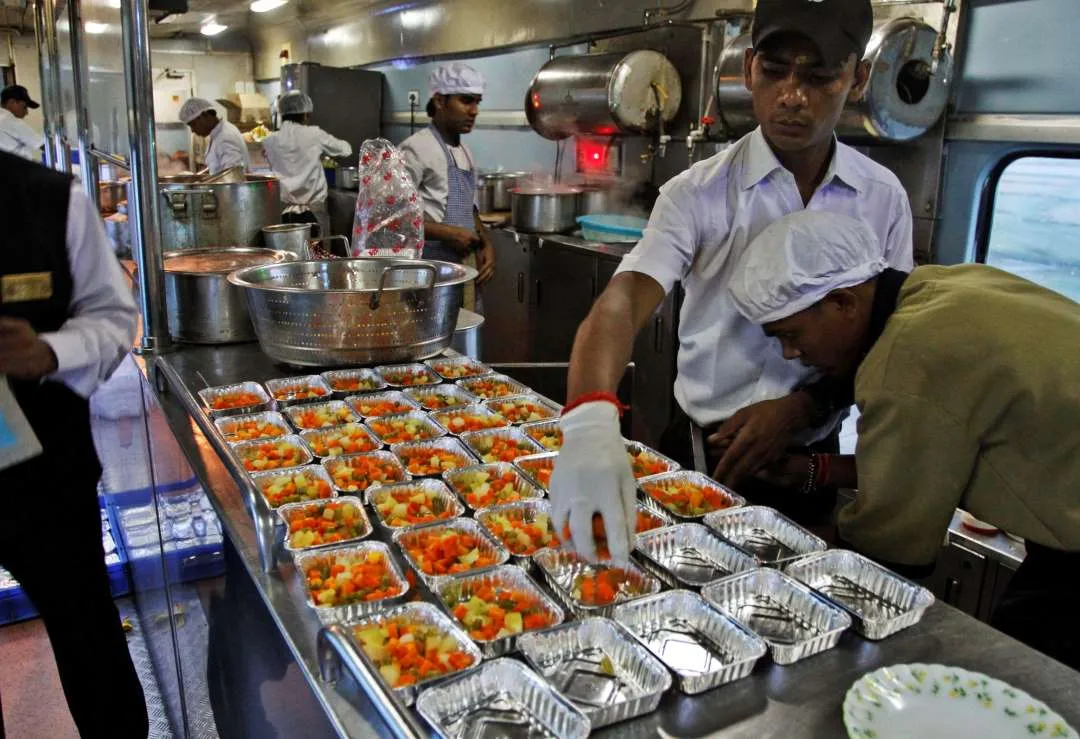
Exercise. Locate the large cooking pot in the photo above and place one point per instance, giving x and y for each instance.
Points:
(201, 306)
(196, 214)
(544, 209)
(353, 311)
(294, 238)
(603, 94)
(902, 100)
(493, 189)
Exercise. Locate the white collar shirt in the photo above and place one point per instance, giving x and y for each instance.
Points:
(702, 222)
(16, 137)
(426, 162)
(227, 149)
(295, 155)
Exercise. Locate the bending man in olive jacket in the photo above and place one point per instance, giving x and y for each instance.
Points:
(965, 378)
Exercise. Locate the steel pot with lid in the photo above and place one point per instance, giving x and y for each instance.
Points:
(493, 189)
(201, 306)
(544, 209)
(348, 178)
(197, 214)
(603, 94)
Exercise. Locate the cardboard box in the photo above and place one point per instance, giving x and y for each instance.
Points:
(246, 107)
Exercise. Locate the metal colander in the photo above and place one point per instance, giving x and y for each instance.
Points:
(353, 311)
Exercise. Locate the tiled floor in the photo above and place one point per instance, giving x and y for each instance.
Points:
(34, 705)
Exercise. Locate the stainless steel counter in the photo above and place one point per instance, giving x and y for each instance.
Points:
(802, 700)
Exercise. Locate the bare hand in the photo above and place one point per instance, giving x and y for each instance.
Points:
(23, 354)
(464, 240)
(485, 263)
(788, 472)
(757, 436)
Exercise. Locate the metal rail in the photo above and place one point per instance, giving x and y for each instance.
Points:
(336, 650)
(110, 158)
(49, 69)
(87, 166)
(145, 210)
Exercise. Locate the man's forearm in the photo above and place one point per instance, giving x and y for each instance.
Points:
(842, 471)
(605, 340)
(435, 231)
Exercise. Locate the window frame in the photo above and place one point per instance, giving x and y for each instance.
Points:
(984, 219)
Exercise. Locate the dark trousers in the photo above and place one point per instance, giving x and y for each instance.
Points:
(807, 510)
(1040, 603)
(306, 217)
(50, 541)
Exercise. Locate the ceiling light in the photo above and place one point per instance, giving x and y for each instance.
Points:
(212, 28)
(264, 6)
(95, 28)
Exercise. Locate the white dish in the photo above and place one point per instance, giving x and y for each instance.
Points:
(932, 701)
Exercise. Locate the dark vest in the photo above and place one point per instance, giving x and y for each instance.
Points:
(34, 213)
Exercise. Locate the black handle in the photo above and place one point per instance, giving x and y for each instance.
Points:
(537, 292)
(952, 590)
(658, 334)
(521, 287)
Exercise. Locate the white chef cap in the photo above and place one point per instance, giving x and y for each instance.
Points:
(800, 259)
(295, 102)
(455, 78)
(193, 108)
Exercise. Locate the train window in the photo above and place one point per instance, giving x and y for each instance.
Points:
(1034, 224)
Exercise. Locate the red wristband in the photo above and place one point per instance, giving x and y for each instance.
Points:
(592, 397)
(824, 464)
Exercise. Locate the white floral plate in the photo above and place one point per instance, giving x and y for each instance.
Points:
(931, 701)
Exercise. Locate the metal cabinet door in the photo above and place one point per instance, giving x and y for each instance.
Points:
(506, 331)
(563, 290)
(654, 363)
(958, 578)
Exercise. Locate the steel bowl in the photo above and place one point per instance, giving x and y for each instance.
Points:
(353, 311)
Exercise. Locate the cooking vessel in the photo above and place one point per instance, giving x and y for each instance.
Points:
(197, 214)
(902, 99)
(493, 189)
(353, 311)
(544, 210)
(603, 94)
(348, 178)
(201, 306)
(599, 200)
(294, 238)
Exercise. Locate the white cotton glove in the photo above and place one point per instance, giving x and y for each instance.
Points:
(592, 475)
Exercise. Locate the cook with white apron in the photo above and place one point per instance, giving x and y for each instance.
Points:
(226, 147)
(445, 175)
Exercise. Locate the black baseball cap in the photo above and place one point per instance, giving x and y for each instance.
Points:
(17, 92)
(837, 28)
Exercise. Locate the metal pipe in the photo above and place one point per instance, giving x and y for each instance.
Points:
(144, 207)
(703, 71)
(336, 650)
(110, 158)
(52, 105)
(941, 43)
(87, 165)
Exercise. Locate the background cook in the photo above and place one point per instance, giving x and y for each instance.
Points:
(803, 68)
(295, 154)
(445, 173)
(961, 403)
(226, 147)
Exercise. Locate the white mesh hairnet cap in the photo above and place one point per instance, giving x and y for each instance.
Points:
(193, 108)
(800, 259)
(295, 102)
(456, 78)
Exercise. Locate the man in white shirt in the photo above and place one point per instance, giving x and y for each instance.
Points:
(444, 171)
(15, 136)
(67, 319)
(295, 154)
(226, 148)
(734, 386)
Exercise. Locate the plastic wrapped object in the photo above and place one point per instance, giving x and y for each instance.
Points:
(389, 219)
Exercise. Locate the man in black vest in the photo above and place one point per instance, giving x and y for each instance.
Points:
(67, 318)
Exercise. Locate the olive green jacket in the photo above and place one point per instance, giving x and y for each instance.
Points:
(970, 398)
